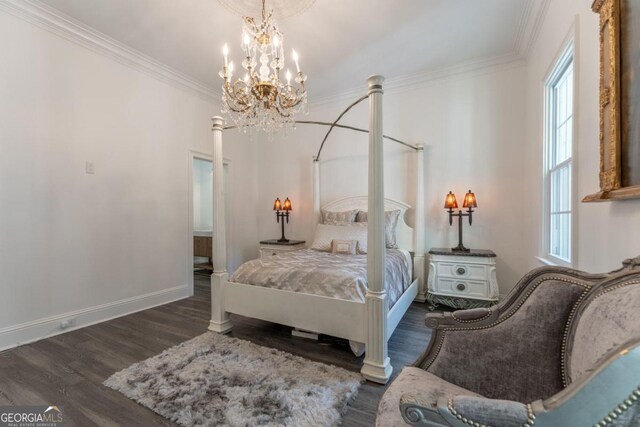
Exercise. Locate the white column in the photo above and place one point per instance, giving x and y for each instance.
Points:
(316, 190)
(219, 318)
(418, 228)
(376, 363)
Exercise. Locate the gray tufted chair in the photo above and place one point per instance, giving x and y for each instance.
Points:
(562, 350)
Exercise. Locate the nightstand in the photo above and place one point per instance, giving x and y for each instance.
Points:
(462, 279)
(273, 247)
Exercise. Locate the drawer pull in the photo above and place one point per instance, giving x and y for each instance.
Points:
(461, 271)
(461, 286)
(274, 254)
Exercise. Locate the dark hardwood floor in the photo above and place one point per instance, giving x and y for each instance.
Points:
(68, 369)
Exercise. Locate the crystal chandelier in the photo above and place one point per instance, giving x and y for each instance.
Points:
(261, 99)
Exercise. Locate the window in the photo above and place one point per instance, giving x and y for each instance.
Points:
(558, 179)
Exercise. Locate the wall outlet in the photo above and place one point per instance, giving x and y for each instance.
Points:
(90, 168)
(67, 323)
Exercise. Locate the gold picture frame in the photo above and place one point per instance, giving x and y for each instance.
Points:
(613, 165)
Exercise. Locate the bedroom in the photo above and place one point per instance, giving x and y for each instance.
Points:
(105, 104)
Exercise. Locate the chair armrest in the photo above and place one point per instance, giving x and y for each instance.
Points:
(522, 333)
(418, 410)
(464, 411)
(459, 318)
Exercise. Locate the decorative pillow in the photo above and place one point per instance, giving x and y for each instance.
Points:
(351, 224)
(344, 246)
(326, 234)
(336, 218)
(390, 225)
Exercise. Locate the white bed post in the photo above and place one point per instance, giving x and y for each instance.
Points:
(376, 366)
(418, 228)
(219, 318)
(316, 190)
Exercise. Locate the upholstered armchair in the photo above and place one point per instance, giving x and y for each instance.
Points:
(562, 350)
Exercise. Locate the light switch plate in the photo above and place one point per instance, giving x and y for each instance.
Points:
(90, 168)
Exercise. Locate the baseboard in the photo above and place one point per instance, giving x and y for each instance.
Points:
(28, 332)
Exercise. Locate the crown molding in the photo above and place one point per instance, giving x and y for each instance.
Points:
(56, 22)
(521, 35)
(531, 23)
(399, 83)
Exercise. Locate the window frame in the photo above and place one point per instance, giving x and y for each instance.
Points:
(567, 56)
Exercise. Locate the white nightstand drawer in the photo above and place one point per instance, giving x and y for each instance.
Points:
(462, 270)
(266, 253)
(270, 248)
(462, 288)
(269, 252)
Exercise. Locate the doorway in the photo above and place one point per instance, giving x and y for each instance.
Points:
(200, 237)
(202, 215)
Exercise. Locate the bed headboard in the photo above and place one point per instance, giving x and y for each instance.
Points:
(404, 233)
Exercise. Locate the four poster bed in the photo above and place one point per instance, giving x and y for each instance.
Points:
(365, 313)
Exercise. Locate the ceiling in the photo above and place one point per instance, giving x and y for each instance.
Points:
(340, 42)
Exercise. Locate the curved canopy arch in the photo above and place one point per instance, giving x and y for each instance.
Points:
(335, 124)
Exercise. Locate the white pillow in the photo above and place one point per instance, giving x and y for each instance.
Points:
(337, 218)
(349, 247)
(325, 234)
(390, 224)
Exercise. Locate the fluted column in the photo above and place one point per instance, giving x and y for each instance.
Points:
(418, 230)
(376, 363)
(219, 318)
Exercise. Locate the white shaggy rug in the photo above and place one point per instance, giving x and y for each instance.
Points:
(215, 380)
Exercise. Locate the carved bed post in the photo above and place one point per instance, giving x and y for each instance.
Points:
(376, 365)
(316, 190)
(219, 318)
(418, 228)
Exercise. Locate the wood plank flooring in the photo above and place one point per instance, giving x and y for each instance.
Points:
(68, 370)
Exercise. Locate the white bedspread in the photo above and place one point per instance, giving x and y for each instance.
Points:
(323, 273)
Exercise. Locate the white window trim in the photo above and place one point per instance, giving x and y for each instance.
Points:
(569, 47)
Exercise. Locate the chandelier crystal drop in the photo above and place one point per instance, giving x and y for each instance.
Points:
(260, 98)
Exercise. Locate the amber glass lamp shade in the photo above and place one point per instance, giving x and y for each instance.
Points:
(470, 200)
(287, 205)
(450, 201)
(277, 205)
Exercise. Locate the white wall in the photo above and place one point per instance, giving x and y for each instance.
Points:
(607, 232)
(472, 126)
(94, 245)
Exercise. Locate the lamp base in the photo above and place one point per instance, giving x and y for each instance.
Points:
(460, 248)
(281, 216)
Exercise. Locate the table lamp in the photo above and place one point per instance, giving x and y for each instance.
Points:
(450, 204)
(282, 212)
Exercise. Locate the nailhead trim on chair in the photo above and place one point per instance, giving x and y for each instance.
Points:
(531, 418)
(567, 328)
(565, 339)
(509, 314)
(486, 316)
(621, 408)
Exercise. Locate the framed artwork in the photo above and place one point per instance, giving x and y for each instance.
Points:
(619, 100)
